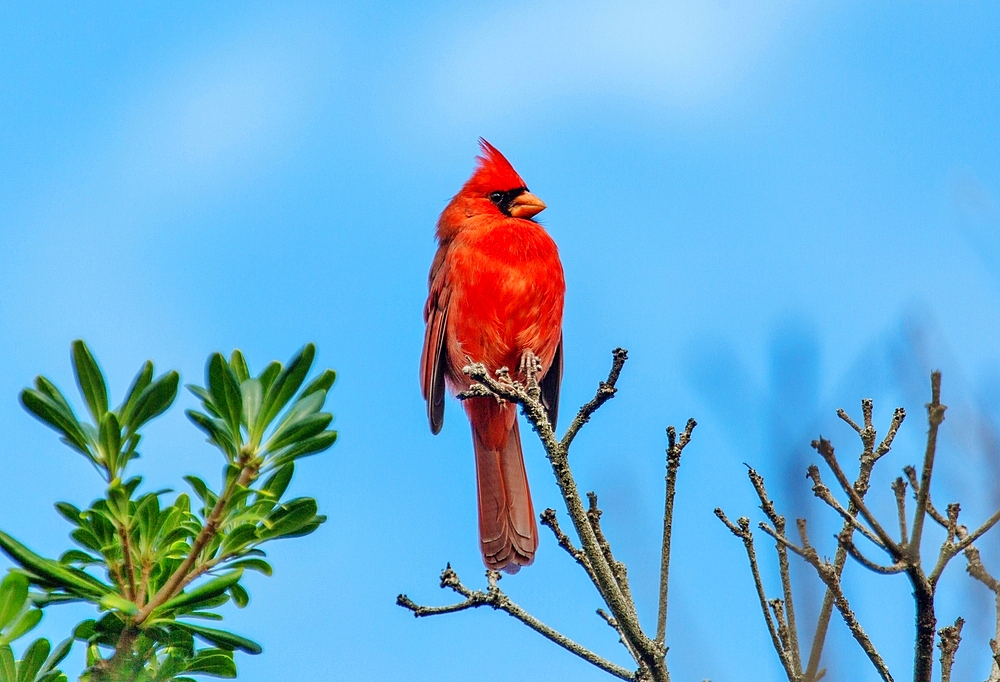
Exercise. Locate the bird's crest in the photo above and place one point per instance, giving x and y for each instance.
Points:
(494, 172)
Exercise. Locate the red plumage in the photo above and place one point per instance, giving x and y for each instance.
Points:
(496, 291)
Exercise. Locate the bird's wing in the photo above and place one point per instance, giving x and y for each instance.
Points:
(433, 359)
(550, 383)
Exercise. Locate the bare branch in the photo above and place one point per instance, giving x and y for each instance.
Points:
(767, 506)
(821, 491)
(899, 490)
(495, 598)
(675, 447)
(831, 577)
(548, 518)
(605, 391)
(741, 529)
(951, 637)
(617, 567)
(935, 415)
(847, 543)
(861, 485)
(825, 449)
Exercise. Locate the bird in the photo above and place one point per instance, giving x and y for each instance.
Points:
(495, 292)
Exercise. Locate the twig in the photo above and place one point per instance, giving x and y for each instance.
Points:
(607, 577)
(618, 568)
(767, 506)
(861, 485)
(825, 449)
(831, 578)
(605, 391)
(935, 415)
(741, 529)
(951, 637)
(821, 491)
(548, 518)
(675, 447)
(899, 490)
(847, 543)
(494, 597)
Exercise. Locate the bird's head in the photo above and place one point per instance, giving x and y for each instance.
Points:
(495, 188)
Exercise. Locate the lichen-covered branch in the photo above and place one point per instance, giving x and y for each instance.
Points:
(675, 447)
(594, 553)
(495, 598)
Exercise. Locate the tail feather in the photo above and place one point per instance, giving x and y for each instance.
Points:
(508, 536)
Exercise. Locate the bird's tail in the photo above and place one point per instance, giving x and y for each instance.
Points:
(508, 536)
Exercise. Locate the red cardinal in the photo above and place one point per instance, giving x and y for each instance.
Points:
(496, 291)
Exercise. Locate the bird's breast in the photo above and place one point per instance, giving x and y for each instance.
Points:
(507, 290)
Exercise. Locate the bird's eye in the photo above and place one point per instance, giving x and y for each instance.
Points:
(496, 197)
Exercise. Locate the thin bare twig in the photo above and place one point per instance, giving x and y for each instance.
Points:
(495, 598)
(548, 518)
(899, 490)
(821, 491)
(608, 574)
(741, 529)
(831, 578)
(675, 447)
(825, 449)
(951, 637)
(605, 391)
(861, 485)
(767, 506)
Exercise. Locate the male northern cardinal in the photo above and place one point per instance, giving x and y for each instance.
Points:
(496, 292)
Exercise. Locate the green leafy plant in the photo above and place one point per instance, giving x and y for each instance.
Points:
(151, 569)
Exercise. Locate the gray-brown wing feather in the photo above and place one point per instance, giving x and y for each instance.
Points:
(550, 384)
(433, 358)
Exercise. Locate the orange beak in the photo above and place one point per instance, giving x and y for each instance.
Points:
(526, 206)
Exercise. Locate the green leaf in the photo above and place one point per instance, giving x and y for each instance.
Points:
(206, 399)
(240, 536)
(252, 395)
(23, 625)
(217, 433)
(72, 580)
(289, 518)
(202, 593)
(33, 660)
(299, 430)
(308, 528)
(8, 668)
(309, 446)
(154, 400)
(111, 440)
(13, 595)
(276, 485)
(58, 654)
(221, 638)
(141, 381)
(113, 601)
(225, 390)
(68, 512)
(285, 385)
(268, 375)
(321, 383)
(90, 380)
(238, 364)
(75, 556)
(84, 630)
(258, 565)
(239, 595)
(214, 662)
(52, 414)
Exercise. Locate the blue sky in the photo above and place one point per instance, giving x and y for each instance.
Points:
(777, 209)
